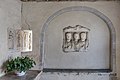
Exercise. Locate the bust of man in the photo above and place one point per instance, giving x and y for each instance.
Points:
(83, 41)
(68, 40)
(83, 36)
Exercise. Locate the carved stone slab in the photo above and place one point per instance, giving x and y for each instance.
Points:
(75, 39)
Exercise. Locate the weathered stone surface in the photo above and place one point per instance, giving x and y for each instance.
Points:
(30, 75)
(68, 0)
(73, 76)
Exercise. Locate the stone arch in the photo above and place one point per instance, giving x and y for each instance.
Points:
(93, 11)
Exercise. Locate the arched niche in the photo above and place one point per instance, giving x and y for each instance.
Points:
(112, 38)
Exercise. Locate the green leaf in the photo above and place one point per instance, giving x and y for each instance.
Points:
(20, 64)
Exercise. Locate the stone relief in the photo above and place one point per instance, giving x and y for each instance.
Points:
(75, 39)
(26, 40)
(11, 38)
(19, 40)
(14, 42)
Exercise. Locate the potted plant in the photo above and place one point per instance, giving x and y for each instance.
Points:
(20, 65)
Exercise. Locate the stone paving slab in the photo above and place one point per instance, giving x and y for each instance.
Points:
(30, 75)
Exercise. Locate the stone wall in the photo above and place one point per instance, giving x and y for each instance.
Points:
(10, 16)
(36, 14)
(67, 0)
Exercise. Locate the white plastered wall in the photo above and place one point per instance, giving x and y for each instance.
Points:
(37, 13)
(10, 17)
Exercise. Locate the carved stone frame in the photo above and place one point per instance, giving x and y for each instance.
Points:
(112, 69)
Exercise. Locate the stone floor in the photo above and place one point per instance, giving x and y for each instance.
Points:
(39, 75)
(72, 76)
(30, 75)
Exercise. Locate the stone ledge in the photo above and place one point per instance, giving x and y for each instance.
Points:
(30, 75)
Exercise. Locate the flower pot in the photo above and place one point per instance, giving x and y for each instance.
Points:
(20, 73)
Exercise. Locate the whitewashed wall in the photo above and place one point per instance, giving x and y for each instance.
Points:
(97, 55)
(10, 16)
(36, 15)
